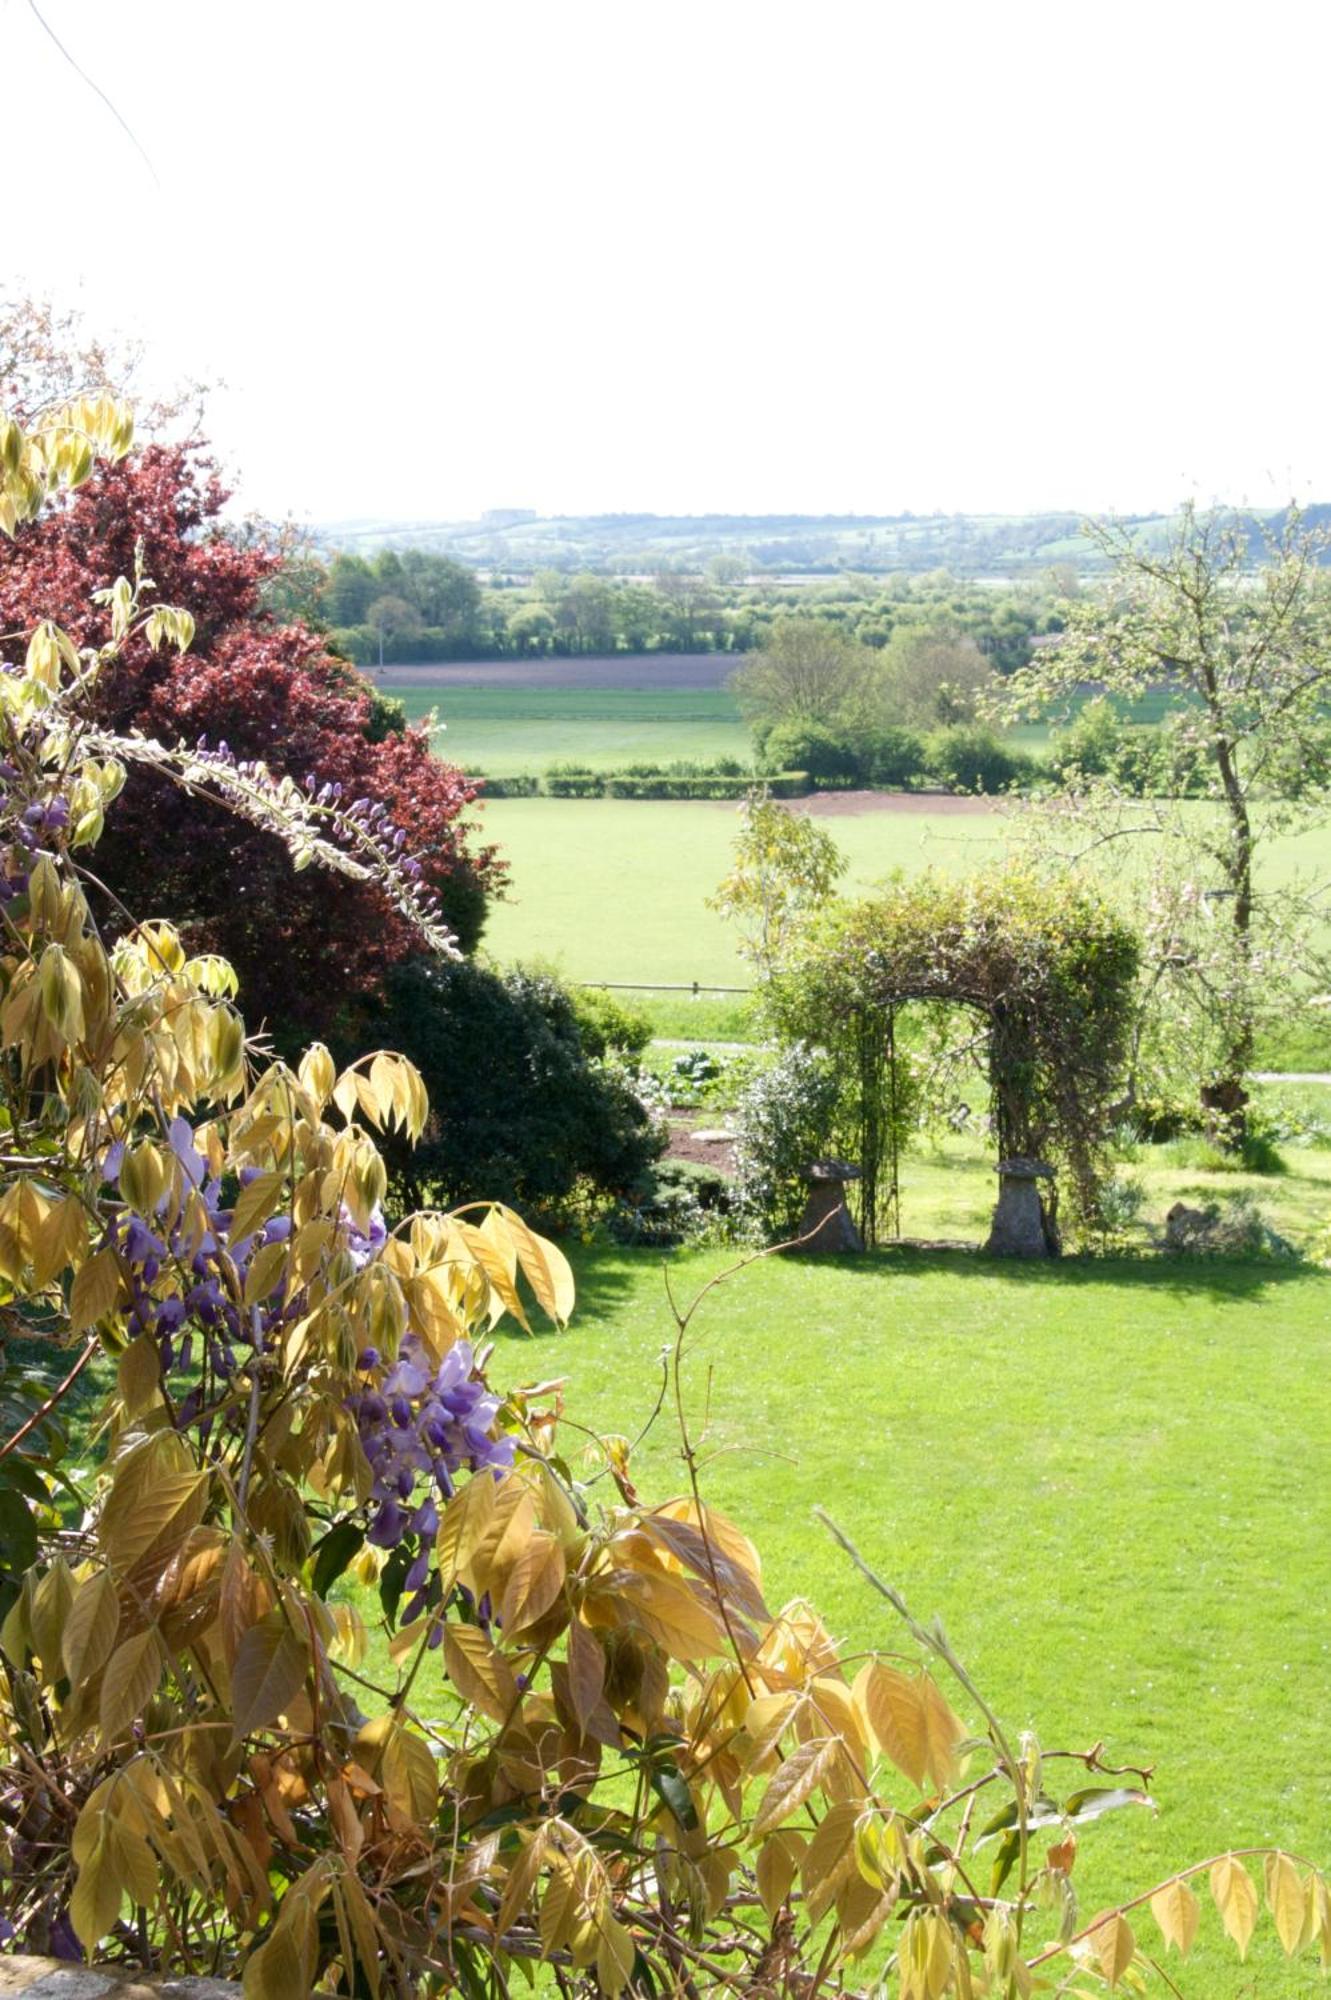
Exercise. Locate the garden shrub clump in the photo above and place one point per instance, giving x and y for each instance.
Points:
(524, 1109)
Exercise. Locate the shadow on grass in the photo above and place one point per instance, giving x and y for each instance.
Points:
(1206, 1277)
(604, 1276)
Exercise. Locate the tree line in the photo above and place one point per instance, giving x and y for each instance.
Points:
(413, 605)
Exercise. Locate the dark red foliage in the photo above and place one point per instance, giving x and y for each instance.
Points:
(306, 946)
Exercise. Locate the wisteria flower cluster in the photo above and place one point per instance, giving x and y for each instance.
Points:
(419, 1427)
(357, 837)
(179, 1281)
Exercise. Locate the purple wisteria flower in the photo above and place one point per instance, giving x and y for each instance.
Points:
(419, 1426)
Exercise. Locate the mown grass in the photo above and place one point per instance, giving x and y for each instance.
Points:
(505, 731)
(615, 889)
(1110, 1479)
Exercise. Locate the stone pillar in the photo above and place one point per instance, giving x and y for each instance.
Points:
(1019, 1228)
(827, 1225)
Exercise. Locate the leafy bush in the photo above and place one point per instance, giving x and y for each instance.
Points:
(1091, 745)
(679, 1201)
(607, 1026)
(830, 756)
(522, 785)
(785, 1119)
(967, 758)
(893, 758)
(518, 1105)
(1232, 1227)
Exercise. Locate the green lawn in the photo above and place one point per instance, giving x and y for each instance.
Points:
(1111, 1480)
(504, 730)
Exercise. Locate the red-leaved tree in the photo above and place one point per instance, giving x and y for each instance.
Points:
(307, 947)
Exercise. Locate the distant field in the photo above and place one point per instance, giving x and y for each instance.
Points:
(504, 730)
(506, 717)
(611, 889)
(614, 889)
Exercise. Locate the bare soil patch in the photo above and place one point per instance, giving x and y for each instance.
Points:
(848, 805)
(616, 670)
(683, 1146)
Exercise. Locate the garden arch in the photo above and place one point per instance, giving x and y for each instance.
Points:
(1043, 961)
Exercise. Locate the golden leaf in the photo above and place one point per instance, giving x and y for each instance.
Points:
(1177, 1912)
(243, 1600)
(942, 1732)
(481, 1675)
(586, 1672)
(1113, 1945)
(98, 1893)
(138, 1374)
(95, 1292)
(410, 1776)
(1235, 1898)
(800, 1775)
(615, 1953)
(1285, 1899)
(894, 1707)
(829, 1859)
(778, 1858)
(152, 1504)
(533, 1584)
(545, 1267)
(254, 1205)
(91, 1627)
(277, 1971)
(270, 1669)
(130, 1682)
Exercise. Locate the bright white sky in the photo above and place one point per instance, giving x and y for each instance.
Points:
(586, 255)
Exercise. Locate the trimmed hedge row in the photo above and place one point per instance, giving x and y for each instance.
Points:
(637, 785)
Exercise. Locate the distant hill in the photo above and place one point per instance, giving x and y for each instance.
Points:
(976, 545)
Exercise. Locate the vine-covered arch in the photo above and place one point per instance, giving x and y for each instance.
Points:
(1043, 960)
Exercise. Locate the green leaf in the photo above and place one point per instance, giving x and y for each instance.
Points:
(1097, 1800)
(337, 1548)
(668, 1783)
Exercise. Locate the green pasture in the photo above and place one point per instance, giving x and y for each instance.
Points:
(506, 730)
(1110, 1480)
(615, 889)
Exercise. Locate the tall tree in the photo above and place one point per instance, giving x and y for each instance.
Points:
(808, 672)
(1231, 618)
(306, 946)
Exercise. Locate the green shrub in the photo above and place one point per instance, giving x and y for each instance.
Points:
(893, 758)
(608, 1026)
(518, 1109)
(829, 756)
(784, 1120)
(967, 758)
(523, 785)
